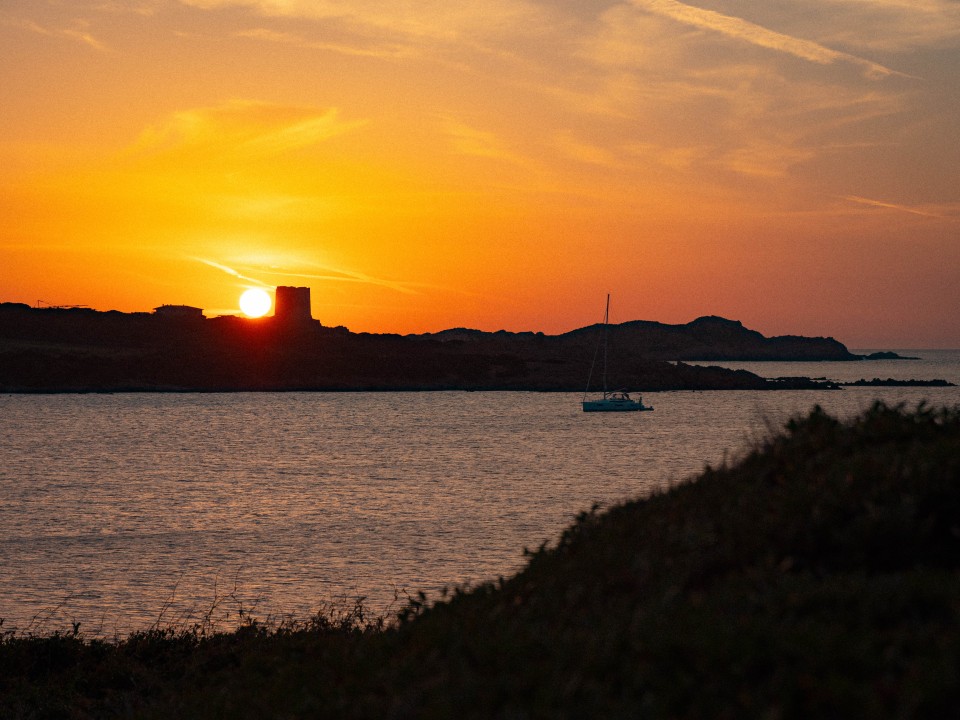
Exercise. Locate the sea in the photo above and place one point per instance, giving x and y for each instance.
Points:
(130, 511)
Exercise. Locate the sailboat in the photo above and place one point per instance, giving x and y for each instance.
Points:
(618, 400)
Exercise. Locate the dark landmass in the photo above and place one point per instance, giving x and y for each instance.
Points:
(892, 382)
(82, 350)
(704, 339)
(887, 355)
(817, 578)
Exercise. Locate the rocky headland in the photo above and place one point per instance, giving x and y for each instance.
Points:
(82, 350)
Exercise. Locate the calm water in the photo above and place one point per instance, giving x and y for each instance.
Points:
(119, 510)
(928, 365)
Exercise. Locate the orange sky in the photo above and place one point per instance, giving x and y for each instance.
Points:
(503, 164)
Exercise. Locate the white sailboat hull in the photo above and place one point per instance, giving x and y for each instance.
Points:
(615, 405)
(618, 401)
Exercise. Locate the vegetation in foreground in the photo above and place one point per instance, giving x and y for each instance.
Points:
(816, 578)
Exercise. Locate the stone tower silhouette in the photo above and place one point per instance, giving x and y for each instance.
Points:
(292, 305)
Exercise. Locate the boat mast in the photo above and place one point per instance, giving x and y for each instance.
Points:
(606, 320)
(596, 351)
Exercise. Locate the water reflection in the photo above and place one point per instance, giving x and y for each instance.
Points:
(118, 506)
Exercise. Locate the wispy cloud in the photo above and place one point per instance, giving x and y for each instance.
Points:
(762, 158)
(571, 147)
(144, 8)
(468, 140)
(244, 128)
(425, 19)
(360, 49)
(890, 25)
(894, 206)
(78, 31)
(230, 271)
(333, 275)
(674, 158)
(315, 272)
(746, 31)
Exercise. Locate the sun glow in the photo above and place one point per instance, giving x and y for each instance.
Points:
(255, 302)
(776, 150)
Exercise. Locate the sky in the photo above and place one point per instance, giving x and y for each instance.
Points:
(496, 165)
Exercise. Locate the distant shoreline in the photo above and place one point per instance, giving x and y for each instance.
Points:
(50, 350)
(893, 382)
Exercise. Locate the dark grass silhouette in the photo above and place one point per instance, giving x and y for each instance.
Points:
(816, 577)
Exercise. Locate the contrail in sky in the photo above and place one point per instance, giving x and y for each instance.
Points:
(891, 206)
(231, 271)
(348, 276)
(331, 274)
(754, 34)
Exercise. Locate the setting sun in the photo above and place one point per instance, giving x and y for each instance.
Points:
(255, 302)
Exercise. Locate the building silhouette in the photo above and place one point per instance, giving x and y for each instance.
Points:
(179, 312)
(291, 306)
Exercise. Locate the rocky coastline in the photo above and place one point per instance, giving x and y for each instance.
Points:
(82, 350)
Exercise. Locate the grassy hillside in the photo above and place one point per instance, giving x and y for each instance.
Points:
(816, 578)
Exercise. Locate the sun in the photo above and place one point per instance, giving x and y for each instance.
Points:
(255, 302)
